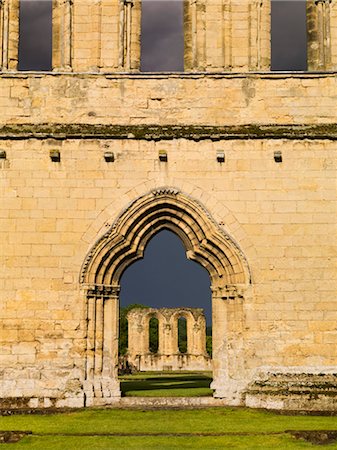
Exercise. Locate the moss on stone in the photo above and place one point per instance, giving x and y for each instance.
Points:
(167, 132)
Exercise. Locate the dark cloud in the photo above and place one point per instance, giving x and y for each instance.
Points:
(35, 41)
(165, 277)
(288, 35)
(162, 35)
(162, 42)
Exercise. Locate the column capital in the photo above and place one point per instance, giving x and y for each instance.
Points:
(99, 291)
(228, 292)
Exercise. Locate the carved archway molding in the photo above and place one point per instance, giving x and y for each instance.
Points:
(124, 243)
(165, 208)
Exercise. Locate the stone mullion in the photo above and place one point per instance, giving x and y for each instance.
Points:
(326, 34)
(259, 35)
(194, 27)
(62, 35)
(319, 34)
(128, 22)
(129, 34)
(199, 337)
(192, 336)
(97, 22)
(13, 35)
(227, 34)
(2, 11)
(264, 41)
(121, 33)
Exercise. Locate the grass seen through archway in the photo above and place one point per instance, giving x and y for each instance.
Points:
(166, 384)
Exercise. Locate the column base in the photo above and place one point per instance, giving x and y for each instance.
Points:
(101, 392)
(232, 391)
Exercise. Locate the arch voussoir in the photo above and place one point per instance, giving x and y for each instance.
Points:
(167, 208)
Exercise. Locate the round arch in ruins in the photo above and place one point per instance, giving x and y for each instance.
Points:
(124, 243)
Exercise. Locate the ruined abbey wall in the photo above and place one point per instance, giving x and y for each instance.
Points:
(262, 222)
(168, 355)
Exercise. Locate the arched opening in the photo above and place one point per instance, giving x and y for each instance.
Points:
(124, 243)
(167, 282)
(35, 35)
(288, 35)
(162, 36)
(182, 335)
(164, 277)
(153, 335)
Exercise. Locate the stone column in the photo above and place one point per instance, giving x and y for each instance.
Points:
(228, 357)
(199, 336)
(110, 383)
(9, 34)
(231, 35)
(260, 35)
(2, 22)
(219, 342)
(101, 385)
(96, 9)
(129, 34)
(321, 34)
(166, 345)
(62, 35)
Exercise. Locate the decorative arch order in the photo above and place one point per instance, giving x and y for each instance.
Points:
(124, 243)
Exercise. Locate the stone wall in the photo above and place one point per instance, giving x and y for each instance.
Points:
(249, 185)
(282, 215)
(168, 356)
(227, 99)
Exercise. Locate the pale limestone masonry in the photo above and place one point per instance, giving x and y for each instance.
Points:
(168, 356)
(83, 191)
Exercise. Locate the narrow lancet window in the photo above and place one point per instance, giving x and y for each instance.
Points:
(35, 35)
(182, 335)
(153, 335)
(162, 36)
(288, 35)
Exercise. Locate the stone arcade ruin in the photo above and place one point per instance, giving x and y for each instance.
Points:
(248, 183)
(168, 356)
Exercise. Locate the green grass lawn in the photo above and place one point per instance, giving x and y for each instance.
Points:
(215, 428)
(167, 384)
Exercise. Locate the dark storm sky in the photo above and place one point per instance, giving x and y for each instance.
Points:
(165, 277)
(162, 37)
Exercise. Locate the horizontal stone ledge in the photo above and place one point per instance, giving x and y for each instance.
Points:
(215, 74)
(168, 132)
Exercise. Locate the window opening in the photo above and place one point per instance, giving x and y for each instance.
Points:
(153, 335)
(162, 36)
(288, 35)
(182, 335)
(165, 280)
(35, 35)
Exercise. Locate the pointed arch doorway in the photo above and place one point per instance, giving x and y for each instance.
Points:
(124, 243)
